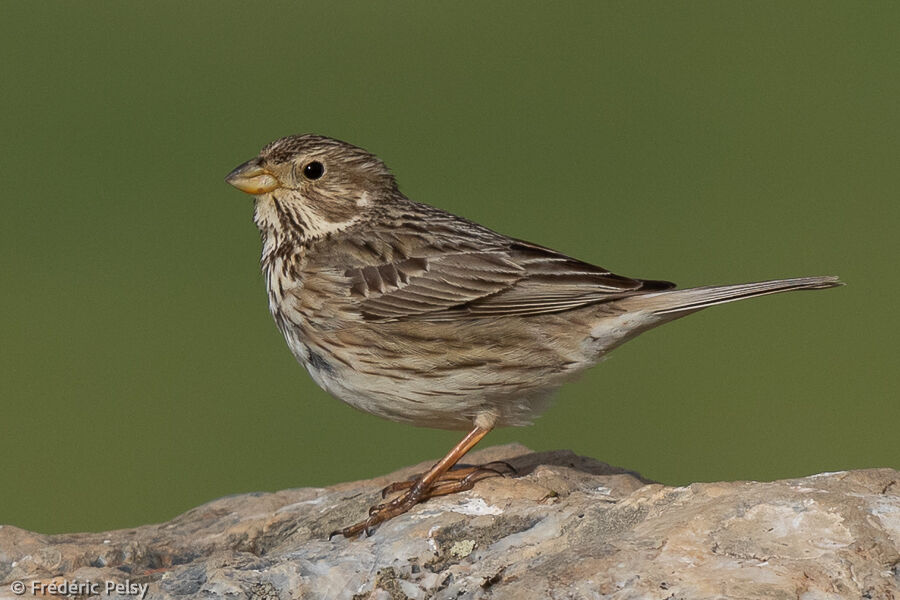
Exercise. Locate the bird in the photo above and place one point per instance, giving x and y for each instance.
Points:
(411, 313)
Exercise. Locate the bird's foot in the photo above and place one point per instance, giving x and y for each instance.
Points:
(415, 490)
(445, 484)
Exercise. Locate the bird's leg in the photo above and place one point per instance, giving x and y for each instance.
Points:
(424, 487)
(456, 474)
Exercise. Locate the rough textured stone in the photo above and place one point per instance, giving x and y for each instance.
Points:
(563, 527)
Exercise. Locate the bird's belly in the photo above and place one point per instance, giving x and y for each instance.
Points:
(452, 400)
(432, 375)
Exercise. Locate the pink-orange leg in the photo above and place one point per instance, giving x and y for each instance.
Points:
(464, 475)
(426, 486)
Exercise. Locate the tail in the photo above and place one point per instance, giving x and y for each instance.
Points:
(678, 303)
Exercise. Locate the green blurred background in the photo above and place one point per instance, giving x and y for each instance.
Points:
(701, 142)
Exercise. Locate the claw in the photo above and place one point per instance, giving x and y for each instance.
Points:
(398, 486)
(512, 470)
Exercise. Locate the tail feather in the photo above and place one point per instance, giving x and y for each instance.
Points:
(673, 302)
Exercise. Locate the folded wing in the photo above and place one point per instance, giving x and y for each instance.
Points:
(513, 278)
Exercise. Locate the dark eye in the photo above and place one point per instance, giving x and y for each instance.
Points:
(313, 170)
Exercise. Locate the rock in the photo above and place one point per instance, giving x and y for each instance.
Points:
(563, 527)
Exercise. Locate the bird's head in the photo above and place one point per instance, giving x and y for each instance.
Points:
(307, 186)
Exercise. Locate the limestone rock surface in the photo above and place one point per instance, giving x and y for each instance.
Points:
(563, 527)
